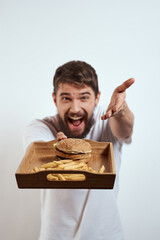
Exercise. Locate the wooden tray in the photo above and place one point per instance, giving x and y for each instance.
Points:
(43, 152)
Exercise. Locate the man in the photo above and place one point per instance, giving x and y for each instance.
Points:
(82, 214)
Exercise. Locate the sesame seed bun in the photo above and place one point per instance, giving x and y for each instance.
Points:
(73, 148)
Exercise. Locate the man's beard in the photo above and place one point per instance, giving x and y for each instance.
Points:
(65, 129)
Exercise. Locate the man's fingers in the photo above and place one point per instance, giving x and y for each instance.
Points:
(108, 114)
(118, 99)
(125, 85)
(61, 136)
(112, 110)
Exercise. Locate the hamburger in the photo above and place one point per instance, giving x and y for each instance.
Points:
(73, 148)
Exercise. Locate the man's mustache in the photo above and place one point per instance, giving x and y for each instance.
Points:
(80, 115)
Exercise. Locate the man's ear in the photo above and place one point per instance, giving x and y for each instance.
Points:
(54, 98)
(98, 97)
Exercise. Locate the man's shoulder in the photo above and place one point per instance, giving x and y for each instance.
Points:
(41, 121)
(40, 130)
(50, 122)
(50, 119)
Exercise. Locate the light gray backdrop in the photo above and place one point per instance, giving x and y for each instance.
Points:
(121, 39)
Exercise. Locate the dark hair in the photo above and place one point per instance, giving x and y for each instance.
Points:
(76, 72)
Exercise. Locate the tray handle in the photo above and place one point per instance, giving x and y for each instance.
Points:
(65, 177)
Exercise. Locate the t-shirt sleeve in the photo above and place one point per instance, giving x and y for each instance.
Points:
(36, 131)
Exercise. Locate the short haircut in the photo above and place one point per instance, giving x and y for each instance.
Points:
(78, 73)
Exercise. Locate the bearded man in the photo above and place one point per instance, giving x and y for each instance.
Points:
(82, 214)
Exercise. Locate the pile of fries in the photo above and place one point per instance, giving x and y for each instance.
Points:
(66, 164)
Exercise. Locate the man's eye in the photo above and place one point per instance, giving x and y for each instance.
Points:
(65, 99)
(84, 98)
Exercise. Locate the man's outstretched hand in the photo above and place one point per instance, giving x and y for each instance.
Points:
(117, 103)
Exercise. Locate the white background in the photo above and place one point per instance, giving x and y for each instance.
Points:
(120, 39)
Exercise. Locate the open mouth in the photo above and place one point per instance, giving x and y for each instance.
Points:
(75, 123)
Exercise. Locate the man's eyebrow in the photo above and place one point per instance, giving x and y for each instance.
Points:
(83, 93)
(68, 94)
(64, 93)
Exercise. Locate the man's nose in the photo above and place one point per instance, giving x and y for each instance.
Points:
(75, 107)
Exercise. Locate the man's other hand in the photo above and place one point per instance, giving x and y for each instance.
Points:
(118, 103)
(61, 136)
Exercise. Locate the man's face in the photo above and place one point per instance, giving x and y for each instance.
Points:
(75, 106)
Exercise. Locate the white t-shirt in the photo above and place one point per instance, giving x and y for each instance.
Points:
(78, 214)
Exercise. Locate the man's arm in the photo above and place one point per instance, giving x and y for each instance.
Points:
(121, 119)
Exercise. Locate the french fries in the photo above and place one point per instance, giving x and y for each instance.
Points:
(102, 169)
(66, 164)
(64, 177)
(52, 177)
